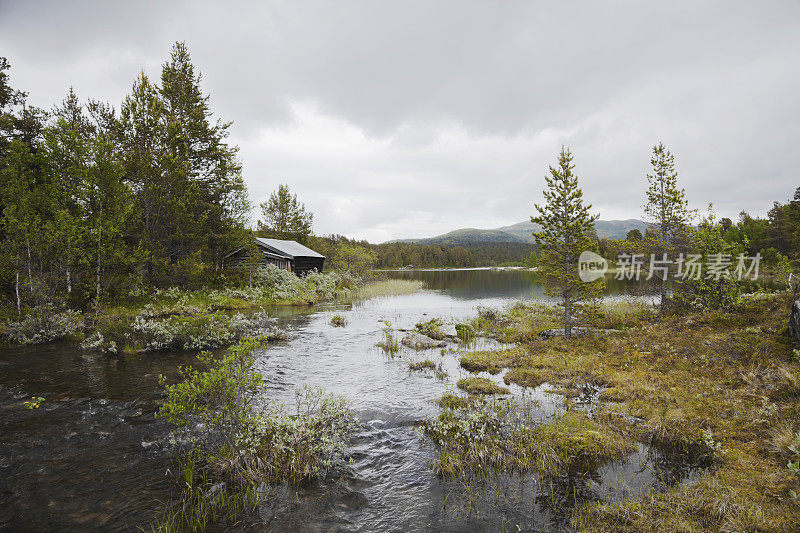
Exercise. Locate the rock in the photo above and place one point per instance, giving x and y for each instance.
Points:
(559, 332)
(794, 321)
(576, 332)
(449, 330)
(419, 341)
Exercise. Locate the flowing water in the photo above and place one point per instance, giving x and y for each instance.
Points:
(93, 457)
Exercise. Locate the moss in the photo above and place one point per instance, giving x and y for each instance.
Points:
(480, 386)
(612, 394)
(576, 437)
(487, 361)
(525, 377)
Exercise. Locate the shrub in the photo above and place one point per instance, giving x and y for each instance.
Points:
(201, 332)
(245, 442)
(338, 321)
(44, 324)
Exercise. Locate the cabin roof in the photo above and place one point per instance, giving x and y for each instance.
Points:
(289, 249)
(273, 255)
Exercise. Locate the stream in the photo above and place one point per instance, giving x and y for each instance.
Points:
(93, 456)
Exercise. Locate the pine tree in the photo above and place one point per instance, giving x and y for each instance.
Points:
(566, 228)
(666, 210)
(285, 217)
(214, 194)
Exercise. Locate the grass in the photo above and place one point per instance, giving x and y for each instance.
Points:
(432, 328)
(338, 321)
(427, 364)
(389, 287)
(480, 386)
(390, 345)
(487, 361)
(721, 384)
(476, 436)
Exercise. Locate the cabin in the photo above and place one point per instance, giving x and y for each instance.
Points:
(286, 255)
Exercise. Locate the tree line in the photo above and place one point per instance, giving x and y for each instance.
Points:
(97, 202)
(674, 231)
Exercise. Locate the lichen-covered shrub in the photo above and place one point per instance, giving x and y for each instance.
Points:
(201, 332)
(44, 324)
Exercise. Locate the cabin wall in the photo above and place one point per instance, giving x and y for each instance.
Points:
(242, 259)
(304, 265)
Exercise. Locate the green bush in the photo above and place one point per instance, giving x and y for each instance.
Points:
(432, 328)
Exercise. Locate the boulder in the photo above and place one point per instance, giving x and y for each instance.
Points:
(794, 321)
(419, 341)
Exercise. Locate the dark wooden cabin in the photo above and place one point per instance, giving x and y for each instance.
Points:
(288, 255)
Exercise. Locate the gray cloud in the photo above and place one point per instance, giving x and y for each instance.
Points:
(396, 119)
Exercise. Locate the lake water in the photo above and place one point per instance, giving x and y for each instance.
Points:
(93, 457)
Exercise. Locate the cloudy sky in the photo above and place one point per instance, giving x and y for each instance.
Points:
(408, 119)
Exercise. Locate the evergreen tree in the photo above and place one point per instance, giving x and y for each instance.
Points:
(191, 200)
(566, 228)
(666, 211)
(285, 217)
(214, 199)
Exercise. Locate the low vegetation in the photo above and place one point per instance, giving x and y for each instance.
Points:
(722, 385)
(338, 321)
(235, 442)
(427, 364)
(431, 328)
(390, 345)
(480, 386)
(479, 436)
(167, 319)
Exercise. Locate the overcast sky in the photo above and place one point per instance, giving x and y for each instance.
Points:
(409, 119)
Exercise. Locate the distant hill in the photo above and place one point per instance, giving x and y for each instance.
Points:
(522, 233)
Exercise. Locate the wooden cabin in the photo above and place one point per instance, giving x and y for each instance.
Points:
(287, 255)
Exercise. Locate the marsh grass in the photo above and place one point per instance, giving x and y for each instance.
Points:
(389, 287)
(480, 386)
(431, 328)
(427, 364)
(721, 384)
(338, 321)
(477, 435)
(204, 501)
(390, 345)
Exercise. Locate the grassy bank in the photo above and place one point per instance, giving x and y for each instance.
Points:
(193, 320)
(723, 385)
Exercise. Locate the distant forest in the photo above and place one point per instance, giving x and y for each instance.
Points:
(402, 254)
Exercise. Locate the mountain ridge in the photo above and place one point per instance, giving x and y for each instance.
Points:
(521, 232)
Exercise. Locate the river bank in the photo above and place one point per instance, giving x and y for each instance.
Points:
(169, 319)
